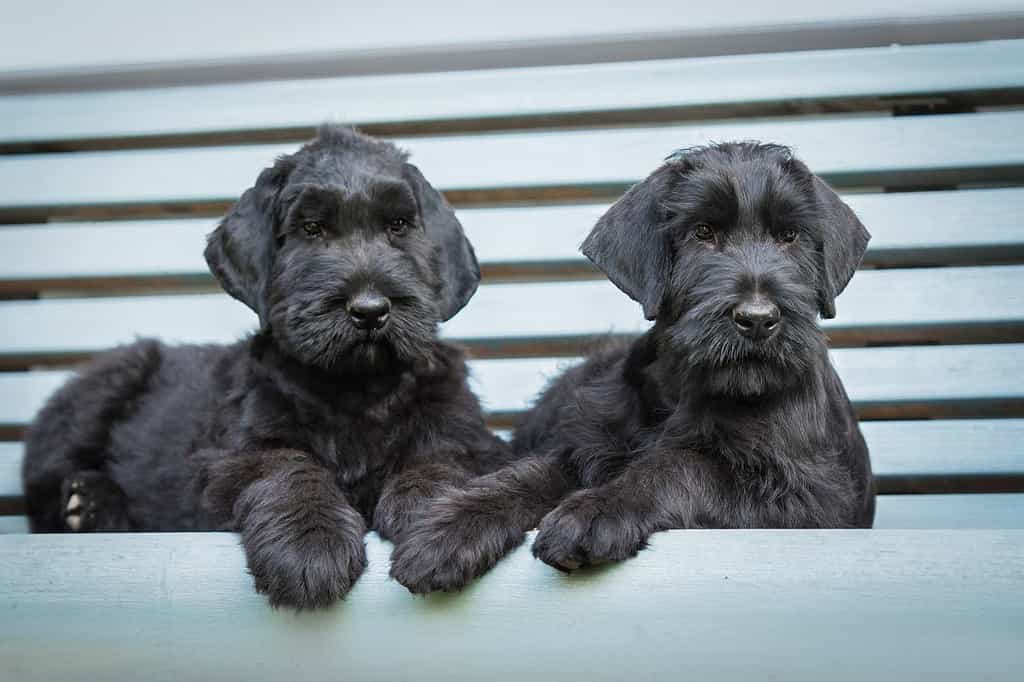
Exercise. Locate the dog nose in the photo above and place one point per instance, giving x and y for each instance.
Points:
(757, 318)
(369, 311)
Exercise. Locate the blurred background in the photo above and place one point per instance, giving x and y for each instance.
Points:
(107, 43)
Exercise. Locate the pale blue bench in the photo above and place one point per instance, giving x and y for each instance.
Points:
(105, 198)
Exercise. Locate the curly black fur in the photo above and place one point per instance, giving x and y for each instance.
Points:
(312, 430)
(696, 424)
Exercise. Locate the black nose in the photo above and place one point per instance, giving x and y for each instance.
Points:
(369, 311)
(757, 318)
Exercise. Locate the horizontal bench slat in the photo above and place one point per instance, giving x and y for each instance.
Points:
(226, 46)
(13, 525)
(927, 299)
(792, 80)
(955, 447)
(925, 375)
(23, 393)
(10, 469)
(938, 227)
(748, 598)
(924, 449)
(961, 512)
(931, 227)
(853, 150)
(931, 375)
(894, 512)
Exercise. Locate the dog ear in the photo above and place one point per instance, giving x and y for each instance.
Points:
(460, 273)
(844, 240)
(628, 245)
(240, 252)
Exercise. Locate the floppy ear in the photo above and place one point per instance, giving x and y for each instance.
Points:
(628, 245)
(844, 240)
(460, 273)
(240, 252)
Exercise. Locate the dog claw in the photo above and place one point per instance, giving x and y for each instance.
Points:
(73, 511)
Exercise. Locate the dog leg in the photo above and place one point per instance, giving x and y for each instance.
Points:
(303, 541)
(71, 434)
(463, 533)
(613, 522)
(403, 499)
(222, 475)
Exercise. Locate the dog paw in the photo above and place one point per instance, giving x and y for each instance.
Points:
(303, 541)
(91, 501)
(586, 530)
(404, 500)
(308, 572)
(444, 552)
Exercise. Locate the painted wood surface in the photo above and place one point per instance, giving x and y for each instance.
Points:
(10, 469)
(954, 447)
(164, 44)
(942, 449)
(909, 228)
(977, 511)
(848, 150)
(794, 81)
(974, 511)
(936, 375)
(803, 605)
(961, 512)
(889, 300)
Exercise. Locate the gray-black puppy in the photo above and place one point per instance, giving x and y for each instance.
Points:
(726, 414)
(345, 411)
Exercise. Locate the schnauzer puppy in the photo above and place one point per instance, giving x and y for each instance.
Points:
(344, 412)
(726, 414)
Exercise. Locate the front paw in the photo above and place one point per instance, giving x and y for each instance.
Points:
(447, 548)
(585, 530)
(307, 559)
(404, 499)
(312, 571)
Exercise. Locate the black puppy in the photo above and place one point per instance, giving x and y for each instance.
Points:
(726, 414)
(343, 412)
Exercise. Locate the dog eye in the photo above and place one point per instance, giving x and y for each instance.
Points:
(704, 232)
(789, 236)
(313, 228)
(398, 226)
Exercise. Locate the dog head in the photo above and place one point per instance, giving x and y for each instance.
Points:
(734, 249)
(347, 254)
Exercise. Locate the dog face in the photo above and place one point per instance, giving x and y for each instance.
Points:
(349, 257)
(734, 249)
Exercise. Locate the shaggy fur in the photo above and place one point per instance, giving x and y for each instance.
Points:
(344, 412)
(726, 414)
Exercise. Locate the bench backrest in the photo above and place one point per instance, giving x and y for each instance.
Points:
(105, 198)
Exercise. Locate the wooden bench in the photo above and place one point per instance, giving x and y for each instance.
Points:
(106, 197)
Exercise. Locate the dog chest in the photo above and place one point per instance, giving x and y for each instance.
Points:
(362, 453)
